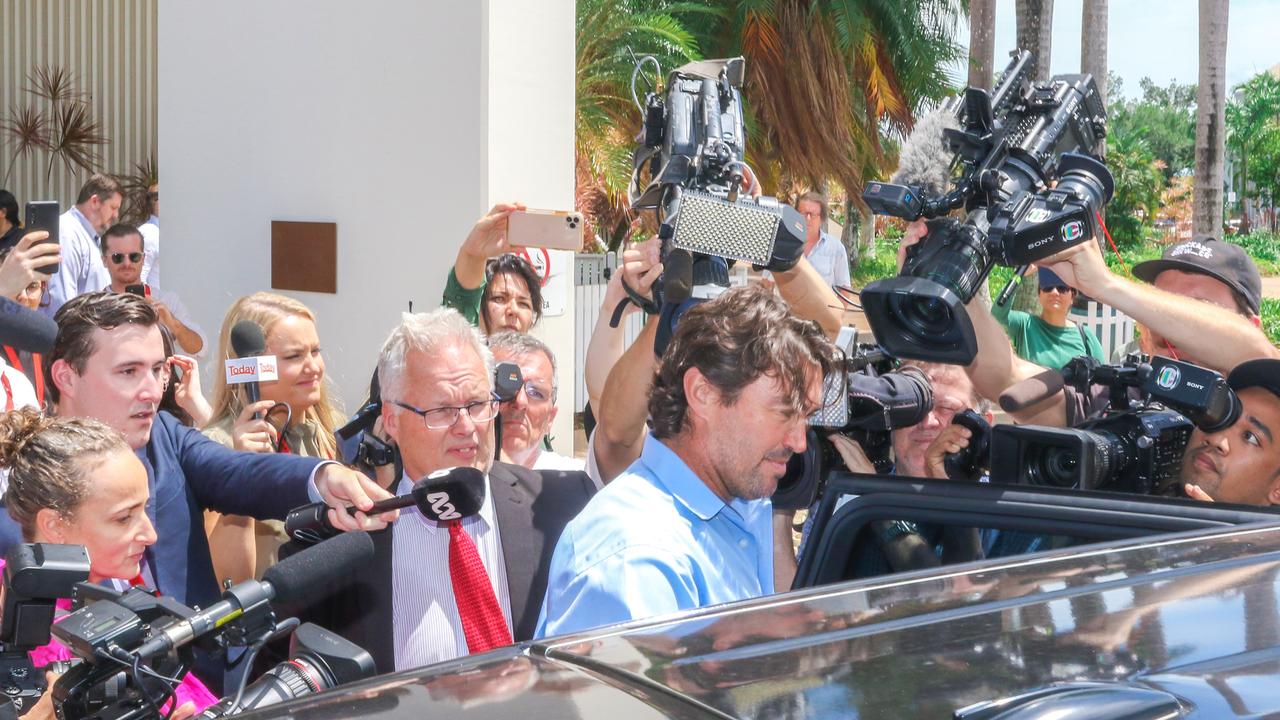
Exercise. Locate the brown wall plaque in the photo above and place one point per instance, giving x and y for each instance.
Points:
(304, 256)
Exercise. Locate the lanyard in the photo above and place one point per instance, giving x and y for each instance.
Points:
(36, 370)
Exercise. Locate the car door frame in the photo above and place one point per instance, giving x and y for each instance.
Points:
(850, 500)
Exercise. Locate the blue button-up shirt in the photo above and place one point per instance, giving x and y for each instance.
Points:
(656, 541)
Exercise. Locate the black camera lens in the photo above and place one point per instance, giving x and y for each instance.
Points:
(1054, 466)
(927, 316)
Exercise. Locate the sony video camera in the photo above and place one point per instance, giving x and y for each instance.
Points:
(1013, 144)
(691, 150)
(1136, 445)
(872, 395)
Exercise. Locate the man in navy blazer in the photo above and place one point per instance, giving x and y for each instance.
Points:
(108, 363)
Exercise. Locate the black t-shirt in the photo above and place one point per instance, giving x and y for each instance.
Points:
(11, 238)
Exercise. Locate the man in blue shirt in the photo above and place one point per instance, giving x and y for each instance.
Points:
(689, 523)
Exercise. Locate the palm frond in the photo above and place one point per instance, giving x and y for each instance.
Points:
(76, 138)
(53, 83)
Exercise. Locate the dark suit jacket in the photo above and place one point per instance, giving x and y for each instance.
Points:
(532, 508)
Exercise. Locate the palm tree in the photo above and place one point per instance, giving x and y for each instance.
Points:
(1035, 33)
(611, 34)
(1211, 97)
(982, 42)
(1093, 44)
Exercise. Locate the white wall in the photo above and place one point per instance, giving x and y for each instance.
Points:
(379, 116)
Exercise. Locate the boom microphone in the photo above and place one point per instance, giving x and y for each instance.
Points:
(925, 159)
(291, 581)
(1032, 391)
(25, 329)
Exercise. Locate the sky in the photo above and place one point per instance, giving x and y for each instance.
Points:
(1152, 38)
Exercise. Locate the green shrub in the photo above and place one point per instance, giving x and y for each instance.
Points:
(1264, 247)
(1271, 319)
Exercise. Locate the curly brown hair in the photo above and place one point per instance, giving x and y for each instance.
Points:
(733, 340)
(49, 461)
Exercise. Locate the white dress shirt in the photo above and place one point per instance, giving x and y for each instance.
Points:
(829, 258)
(179, 310)
(151, 251)
(425, 622)
(81, 269)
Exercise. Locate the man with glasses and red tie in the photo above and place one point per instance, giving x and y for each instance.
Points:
(124, 257)
(443, 588)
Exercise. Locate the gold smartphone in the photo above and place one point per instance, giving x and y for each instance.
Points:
(554, 229)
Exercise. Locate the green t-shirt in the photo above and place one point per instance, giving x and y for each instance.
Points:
(461, 299)
(1045, 344)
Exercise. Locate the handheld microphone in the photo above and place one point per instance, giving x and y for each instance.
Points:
(1032, 391)
(290, 582)
(25, 329)
(444, 495)
(251, 364)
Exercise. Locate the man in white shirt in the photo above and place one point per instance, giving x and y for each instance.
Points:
(151, 239)
(123, 255)
(825, 253)
(435, 378)
(97, 208)
(526, 419)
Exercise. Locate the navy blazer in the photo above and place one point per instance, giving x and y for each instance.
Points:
(188, 473)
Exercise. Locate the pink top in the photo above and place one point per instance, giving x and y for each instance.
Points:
(190, 690)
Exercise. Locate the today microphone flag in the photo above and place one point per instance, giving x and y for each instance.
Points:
(260, 368)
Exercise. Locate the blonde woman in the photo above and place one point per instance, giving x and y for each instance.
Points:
(295, 415)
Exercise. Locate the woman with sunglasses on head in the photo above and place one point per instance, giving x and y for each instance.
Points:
(75, 481)
(1050, 338)
(294, 415)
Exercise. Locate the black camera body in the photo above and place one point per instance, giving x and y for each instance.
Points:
(692, 151)
(1135, 451)
(870, 395)
(1015, 142)
(1135, 446)
(36, 575)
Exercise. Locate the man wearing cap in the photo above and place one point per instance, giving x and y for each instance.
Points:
(1050, 339)
(1201, 307)
(1241, 464)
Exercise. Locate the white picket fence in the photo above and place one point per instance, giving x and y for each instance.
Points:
(1113, 328)
(589, 283)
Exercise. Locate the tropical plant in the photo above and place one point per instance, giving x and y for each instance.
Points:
(1139, 181)
(611, 35)
(60, 122)
(1251, 123)
(1165, 117)
(135, 186)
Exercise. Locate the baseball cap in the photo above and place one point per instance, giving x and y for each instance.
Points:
(1049, 278)
(1263, 373)
(1223, 261)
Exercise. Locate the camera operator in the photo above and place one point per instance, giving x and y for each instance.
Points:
(1241, 463)
(689, 523)
(953, 393)
(1202, 308)
(75, 481)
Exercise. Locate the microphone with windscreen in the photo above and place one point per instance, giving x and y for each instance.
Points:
(444, 495)
(1032, 391)
(25, 329)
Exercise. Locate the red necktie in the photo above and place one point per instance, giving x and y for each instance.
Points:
(482, 621)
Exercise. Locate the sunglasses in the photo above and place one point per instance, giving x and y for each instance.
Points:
(134, 257)
(1056, 289)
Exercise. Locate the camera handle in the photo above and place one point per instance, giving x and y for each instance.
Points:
(1007, 291)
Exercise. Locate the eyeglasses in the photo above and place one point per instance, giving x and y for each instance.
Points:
(480, 411)
(117, 258)
(1056, 289)
(537, 394)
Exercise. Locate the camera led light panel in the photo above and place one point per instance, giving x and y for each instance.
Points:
(714, 226)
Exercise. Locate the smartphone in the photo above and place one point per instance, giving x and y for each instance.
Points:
(43, 215)
(555, 229)
(139, 290)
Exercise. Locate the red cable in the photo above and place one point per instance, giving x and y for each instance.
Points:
(1103, 224)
